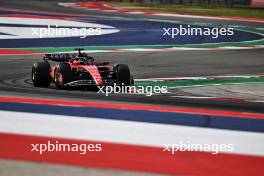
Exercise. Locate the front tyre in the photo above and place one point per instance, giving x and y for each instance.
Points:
(40, 74)
(63, 75)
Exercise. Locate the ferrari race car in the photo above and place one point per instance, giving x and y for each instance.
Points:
(78, 70)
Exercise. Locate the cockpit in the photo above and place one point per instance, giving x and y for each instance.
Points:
(88, 60)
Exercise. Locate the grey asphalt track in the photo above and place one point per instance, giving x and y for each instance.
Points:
(15, 70)
(15, 75)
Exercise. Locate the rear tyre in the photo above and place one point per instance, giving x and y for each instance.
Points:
(63, 75)
(122, 74)
(40, 74)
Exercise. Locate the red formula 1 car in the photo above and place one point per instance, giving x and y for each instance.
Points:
(78, 70)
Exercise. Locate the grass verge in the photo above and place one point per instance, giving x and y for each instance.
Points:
(210, 10)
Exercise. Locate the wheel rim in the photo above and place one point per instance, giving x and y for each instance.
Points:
(33, 75)
(55, 77)
(58, 79)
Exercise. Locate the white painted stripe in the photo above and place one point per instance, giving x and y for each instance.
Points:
(180, 78)
(237, 47)
(135, 12)
(195, 49)
(67, 4)
(127, 132)
(235, 76)
(257, 101)
(144, 49)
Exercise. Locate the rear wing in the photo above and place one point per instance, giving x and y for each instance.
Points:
(59, 57)
(65, 57)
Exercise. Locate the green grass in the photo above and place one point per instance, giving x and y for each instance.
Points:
(210, 10)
